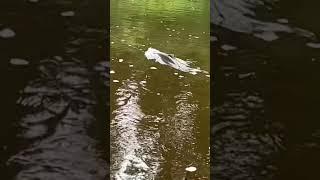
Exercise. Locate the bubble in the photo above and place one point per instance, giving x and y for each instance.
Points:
(67, 13)
(7, 33)
(191, 169)
(17, 61)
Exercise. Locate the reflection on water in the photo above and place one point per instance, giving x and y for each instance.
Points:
(160, 115)
(53, 68)
(132, 151)
(265, 91)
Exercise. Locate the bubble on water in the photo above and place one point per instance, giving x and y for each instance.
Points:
(175, 74)
(158, 94)
(168, 29)
(112, 72)
(181, 76)
(112, 42)
(120, 60)
(17, 61)
(196, 37)
(115, 81)
(191, 169)
(170, 35)
(153, 67)
(208, 75)
(7, 33)
(122, 40)
(131, 65)
(67, 13)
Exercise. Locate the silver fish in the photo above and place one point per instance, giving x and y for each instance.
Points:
(170, 60)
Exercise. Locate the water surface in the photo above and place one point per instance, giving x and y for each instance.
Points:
(54, 90)
(160, 116)
(265, 64)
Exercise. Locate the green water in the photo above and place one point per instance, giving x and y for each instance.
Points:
(160, 116)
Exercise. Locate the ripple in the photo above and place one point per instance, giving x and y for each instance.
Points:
(249, 130)
(56, 114)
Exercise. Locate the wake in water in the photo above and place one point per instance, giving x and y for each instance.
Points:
(170, 60)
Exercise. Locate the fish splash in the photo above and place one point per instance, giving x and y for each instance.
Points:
(170, 60)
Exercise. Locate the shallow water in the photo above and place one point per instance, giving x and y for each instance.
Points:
(265, 71)
(160, 115)
(54, 90)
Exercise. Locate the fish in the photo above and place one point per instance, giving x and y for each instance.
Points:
(171, 60)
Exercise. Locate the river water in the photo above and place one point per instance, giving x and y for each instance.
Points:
(159, 115)
(265, 98)
(54, 90)
(264, 65)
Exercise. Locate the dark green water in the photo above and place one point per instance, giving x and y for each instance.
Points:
(265, 107)
(160, 116)
(54, 89)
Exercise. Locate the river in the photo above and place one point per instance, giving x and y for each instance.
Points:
(159, 115)
(265, 70)
(54, 90)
